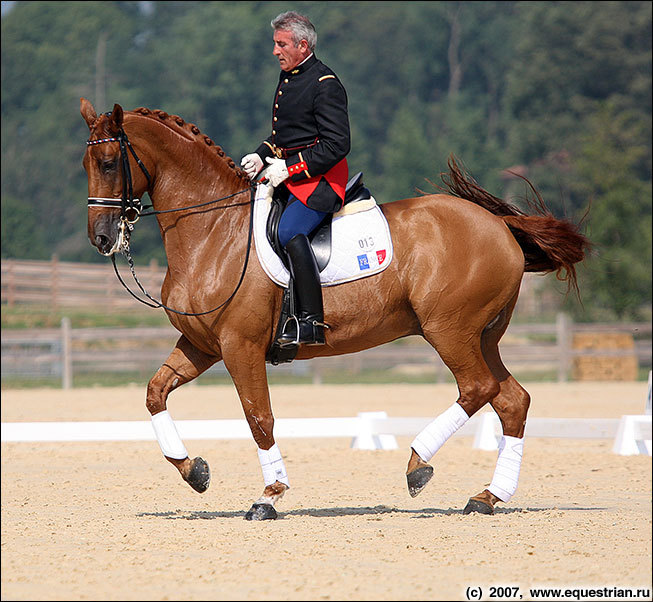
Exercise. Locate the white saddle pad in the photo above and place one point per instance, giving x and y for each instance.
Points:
(360, 242)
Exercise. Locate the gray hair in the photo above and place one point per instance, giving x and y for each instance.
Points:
(299, 25)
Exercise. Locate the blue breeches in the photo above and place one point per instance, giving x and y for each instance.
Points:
(297, 218)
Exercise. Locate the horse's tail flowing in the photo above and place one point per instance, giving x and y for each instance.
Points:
(548, 243)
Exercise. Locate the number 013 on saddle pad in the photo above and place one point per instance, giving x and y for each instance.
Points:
(360, 242)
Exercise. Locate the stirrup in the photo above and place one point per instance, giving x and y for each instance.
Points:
(284, 343)
(314, 338)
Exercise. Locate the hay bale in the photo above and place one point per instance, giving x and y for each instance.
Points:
(604, 356)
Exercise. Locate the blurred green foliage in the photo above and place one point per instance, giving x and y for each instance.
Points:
(559, 90)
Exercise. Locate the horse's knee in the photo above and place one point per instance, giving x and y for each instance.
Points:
(158, 390)
(155, 401)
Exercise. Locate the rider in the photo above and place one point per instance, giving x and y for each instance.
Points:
(306, 153)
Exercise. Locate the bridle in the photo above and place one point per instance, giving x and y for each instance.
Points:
(131, 210)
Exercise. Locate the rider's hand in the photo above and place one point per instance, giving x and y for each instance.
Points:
(251, 164)
(277, 172)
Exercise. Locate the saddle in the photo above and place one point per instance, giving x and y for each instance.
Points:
(321, 244)
(321, 238)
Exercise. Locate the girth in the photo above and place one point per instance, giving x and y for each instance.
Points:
(321, 238)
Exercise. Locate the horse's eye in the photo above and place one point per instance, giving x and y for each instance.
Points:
(108, 165)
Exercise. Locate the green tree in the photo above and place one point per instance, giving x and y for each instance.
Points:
(617, 279)
(570, 55)
(19, 230)
(48, 61)
(406, 154)
(561, 90)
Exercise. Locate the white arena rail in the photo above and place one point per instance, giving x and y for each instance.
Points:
(368, 430)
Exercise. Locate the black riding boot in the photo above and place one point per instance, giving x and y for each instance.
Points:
(308, 294)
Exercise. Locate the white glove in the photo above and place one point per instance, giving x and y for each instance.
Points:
(251, 164)
(277, 172)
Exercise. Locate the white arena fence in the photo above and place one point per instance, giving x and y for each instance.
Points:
(368, 430)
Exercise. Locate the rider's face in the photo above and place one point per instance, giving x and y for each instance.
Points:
(285, 50)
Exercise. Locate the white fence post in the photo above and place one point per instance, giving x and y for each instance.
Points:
(367, 438)
(634, 436)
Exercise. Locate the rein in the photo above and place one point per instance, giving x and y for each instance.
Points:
(131, 210)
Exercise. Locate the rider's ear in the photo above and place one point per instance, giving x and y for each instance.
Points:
(117, 116)
(87, 111)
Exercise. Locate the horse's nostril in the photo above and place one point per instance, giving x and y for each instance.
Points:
(101, 242)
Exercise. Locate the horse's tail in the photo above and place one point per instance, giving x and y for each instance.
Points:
(548, 243)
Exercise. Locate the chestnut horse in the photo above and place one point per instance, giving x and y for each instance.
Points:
(458, 263)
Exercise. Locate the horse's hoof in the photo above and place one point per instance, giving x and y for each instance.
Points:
(478, 506)
(418, 479)
(261, 512)
(199, 476)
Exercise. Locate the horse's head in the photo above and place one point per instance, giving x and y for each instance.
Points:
(113, 195)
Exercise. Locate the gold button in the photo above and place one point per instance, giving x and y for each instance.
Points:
(280, 92)
(276, 106)
(274, 131)
(285, 81)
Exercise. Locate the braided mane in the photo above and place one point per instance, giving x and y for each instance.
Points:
(191, 132)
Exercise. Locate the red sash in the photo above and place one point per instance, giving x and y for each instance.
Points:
(337, 178)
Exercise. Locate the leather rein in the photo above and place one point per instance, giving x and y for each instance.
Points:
(131, 210)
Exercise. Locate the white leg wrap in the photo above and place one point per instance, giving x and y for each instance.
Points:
(166, 434)
(432, 438)
(506, 473)
(272, 466)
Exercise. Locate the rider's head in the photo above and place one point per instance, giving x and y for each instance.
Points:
(294, 39)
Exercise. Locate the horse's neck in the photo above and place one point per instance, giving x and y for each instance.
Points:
(189, 173)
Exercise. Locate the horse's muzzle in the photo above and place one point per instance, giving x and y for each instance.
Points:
(108, 234)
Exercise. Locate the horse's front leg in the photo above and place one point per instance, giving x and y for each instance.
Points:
(184, 364)
(247, 369)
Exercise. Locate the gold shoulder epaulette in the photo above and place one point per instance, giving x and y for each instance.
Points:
(326, 77)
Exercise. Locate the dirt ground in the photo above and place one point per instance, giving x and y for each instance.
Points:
(114, 521)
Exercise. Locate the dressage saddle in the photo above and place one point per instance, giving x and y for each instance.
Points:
(321, 238)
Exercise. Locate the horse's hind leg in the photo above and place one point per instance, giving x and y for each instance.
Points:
(460, 350)
(511, 405)
(184, 364)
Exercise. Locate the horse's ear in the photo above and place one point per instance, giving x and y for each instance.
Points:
(88, 112)
(117, 116)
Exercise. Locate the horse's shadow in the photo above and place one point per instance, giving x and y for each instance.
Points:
(338, 512)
